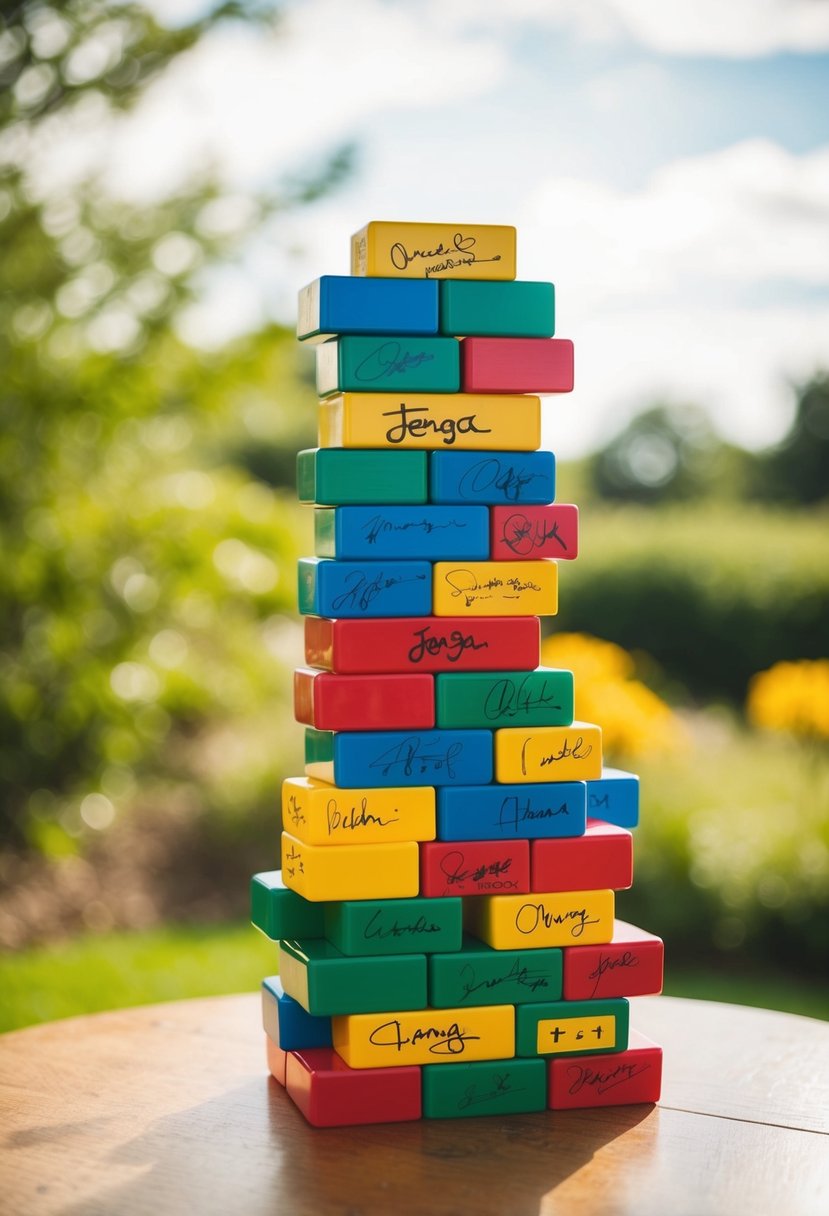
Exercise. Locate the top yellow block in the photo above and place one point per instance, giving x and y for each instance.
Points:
(434, 251)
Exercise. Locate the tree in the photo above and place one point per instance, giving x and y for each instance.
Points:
(797, 471)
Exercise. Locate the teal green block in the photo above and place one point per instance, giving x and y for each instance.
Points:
(278, 912)
(385, 364)
(567, 1042)
(493, 699)
(326, 982)
(319, 746)
(497, 310)
(487, 1087)
(479, 975)
(394, 926)
(353, 477)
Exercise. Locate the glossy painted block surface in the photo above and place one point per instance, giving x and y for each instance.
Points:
(385, 365)
(279, 912)
(535, 698)
(377, 702)
(527, 533)
(508, 310)
(518, 922)
(361, 871)
(462, 421)
(379, 533)
(614, 797)
(572, 1028)
(322, 814)
(517, 365)
(625, 1077)
(478, 867)
(340, 304)
(549, 753)
(504, 812)
(324, 981)
(423, 643)
(497, 1087)
(431, 251)
(286, 1022)
(479, 975)
(394, 926)
(492, 478)
(330, 1094)
(602, 857)
(495, 588)
(276, 1060)
(375, 758)
(336, 475)
(629, 965)
(427, 1036)
(363, 589)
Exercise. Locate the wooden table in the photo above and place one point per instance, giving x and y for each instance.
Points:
(168, 1109)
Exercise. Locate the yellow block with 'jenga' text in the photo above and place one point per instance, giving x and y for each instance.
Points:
(549, 753)
(362, 871)
(322, 814)
(495, 589)
(442, 421)
(566, 918)
(425, 1036)
(434, 251)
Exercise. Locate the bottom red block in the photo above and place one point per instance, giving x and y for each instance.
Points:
(330, 1094)
(277, 1060)
(619, 1079)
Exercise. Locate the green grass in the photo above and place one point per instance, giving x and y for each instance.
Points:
(121, 969)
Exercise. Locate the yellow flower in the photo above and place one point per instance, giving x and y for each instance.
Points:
(791, 696)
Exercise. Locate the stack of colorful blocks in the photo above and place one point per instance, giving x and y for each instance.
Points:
(445, 906)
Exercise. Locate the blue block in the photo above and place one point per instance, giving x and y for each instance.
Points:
(432, 533)
(614, 797)
(364, 589)
(509, 812)
(289, 1025)
(492, 478)
(342, 304)
(398, 757)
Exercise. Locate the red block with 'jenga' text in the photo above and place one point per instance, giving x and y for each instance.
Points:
(631, 964)
(599, 860)
(534, 532)
(616, 1079)
(330, 1094)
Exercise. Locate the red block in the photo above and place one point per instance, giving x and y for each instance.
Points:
(330, 1094)
(516, 365)
(474, 867)
(533, 532)
(330, 701)
(277, 1060)
(423, 643)
(617, 1079)
(600, 859)
(631, 964)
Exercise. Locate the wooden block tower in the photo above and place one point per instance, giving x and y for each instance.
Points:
(445, 904)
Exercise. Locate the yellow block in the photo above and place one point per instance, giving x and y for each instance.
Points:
(457, 421)
(425, 1036)
(495, 589)
(548, 753)
(318, 813)
(562, 1035)
(567, 918)
(434, 251)
(362, 871)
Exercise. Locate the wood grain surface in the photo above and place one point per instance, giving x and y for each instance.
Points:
(168, 1109)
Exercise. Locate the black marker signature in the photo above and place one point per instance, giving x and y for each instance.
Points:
(449, 428)
(453, 646)
(387, 360)
(491, 474)
(530, 917)
(460, 252)
(523, 537)
(445, 1041)
(410, 757)
(361, 591)
(506, 699)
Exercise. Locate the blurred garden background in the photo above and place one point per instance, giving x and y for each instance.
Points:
(153, 399)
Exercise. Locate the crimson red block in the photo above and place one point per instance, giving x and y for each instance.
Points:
(616, 1079)
(516, 365)
(330, 1094)
(534, 532)
(599, 860)
(631, 964)
(277, 1060)
(423, 643)
(474, 867)
(328, 701)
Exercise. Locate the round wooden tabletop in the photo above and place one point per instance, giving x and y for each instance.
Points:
(169, 1109)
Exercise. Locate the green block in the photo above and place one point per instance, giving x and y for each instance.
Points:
(395, 926)
(497, 310)
(479, 975)
(487, 1087)
(387, 364)
(569, 1028)
(319, 746)
(279, 912)
(326, 982)
(352, 477)
(493, 699)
